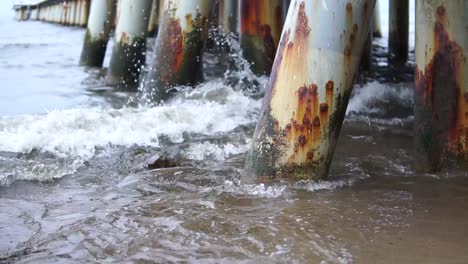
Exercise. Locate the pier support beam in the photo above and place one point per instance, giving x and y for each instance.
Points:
(84, 12)
(398, 31)
(153, 24)
(78, 14)
(229, 16)
(376, 24)
(309, 88)
(260, 30)
(59, 13)
(63, 12)
(441, 84)
(129, 52)
(98, 32)
(179, 46)
(366, 60)
(72, 13)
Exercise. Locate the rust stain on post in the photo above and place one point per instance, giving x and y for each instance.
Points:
(260, 30)
(308, 91)
(439, 99)
(176, 42)
(179, 47)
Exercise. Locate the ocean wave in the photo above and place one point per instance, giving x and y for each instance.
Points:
(78, 132)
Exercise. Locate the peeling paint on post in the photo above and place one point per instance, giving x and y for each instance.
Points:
(260, 30)
(129, 52)
(398, 31)
(179, 46)
(441, 84)
(97, 33)
(308, 91)
(229, 16)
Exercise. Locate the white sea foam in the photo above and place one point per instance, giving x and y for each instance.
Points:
(78, 132)
(260, 190)
(206, 150)
(368, 99)
(12, 169)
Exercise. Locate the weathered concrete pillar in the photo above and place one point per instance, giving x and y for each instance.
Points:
(309, 88)
(229, 16)
(129, 52)
(154, 18)
(398, 31)
(98, 32)
(441, 84)
(179, 46)
(260, 30)
(376, 24)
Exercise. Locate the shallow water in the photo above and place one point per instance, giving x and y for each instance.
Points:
(75, 188)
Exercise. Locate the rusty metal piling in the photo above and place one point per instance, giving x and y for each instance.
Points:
(376, 24)
(308, 90)
(260, 30)
(84, 12)
(229, 16)
(129, 52)
(441, 84)
(366, 60)
(153, 24)
(179, 47)
(398, 31)
(98, 32)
